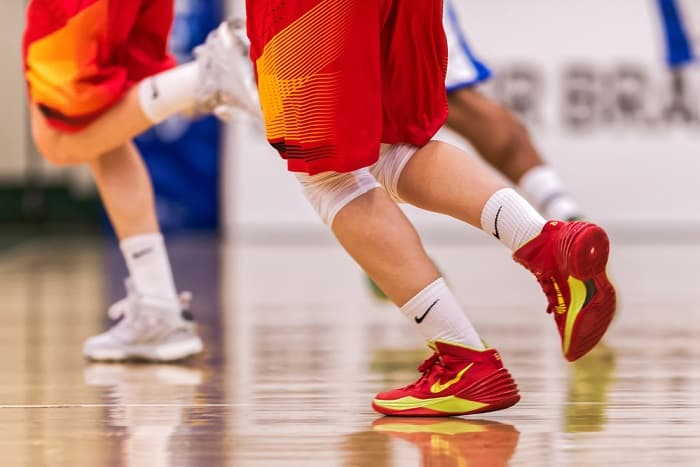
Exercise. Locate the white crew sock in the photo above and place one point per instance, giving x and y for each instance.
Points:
(148, 265)
(435, 313)
(542, 187)
(170, 92)
(509, 218)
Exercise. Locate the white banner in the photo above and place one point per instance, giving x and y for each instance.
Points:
(588, 79)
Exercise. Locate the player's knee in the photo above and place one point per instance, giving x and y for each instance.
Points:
(387, 170)
(329, 192)
(46, 147)
(46, 140)
(51, 153)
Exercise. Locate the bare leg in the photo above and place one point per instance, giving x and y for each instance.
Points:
(502, 141)
(120, 123)
(146, 104)
(442, 178)
(126, 191)
(494, 131)
(127, 194)
(381, 239)
(154, 328)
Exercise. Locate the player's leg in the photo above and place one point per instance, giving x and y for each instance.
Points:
(376, 233)
(503, 142)
(155, 324)
(568, 258)
(126, 192)
(145, 88)
(138, 110)
(461, 186)
(495, 133)
(81, 75)
(330, 122)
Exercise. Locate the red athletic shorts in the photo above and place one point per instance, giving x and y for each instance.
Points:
(337, 77)
(81, 56)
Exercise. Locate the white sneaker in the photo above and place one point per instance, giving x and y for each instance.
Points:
(226, 77)
(150, 329)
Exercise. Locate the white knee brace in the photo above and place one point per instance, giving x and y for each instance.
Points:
(387, 170)
(329, 192)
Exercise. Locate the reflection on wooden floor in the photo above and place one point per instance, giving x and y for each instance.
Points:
(297, 347)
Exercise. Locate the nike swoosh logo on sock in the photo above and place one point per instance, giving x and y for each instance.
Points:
(495, 224)
(419, 319)
(154, 89)
(140, 253)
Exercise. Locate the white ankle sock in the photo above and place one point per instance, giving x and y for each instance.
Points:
(435, 313)
(542, 187)
(167, 93)
(148, 264)
(509, 218)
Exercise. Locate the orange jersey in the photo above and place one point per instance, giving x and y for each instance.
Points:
(81, 56)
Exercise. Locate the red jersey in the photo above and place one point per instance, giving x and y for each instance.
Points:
(81, 56)
(339, 77)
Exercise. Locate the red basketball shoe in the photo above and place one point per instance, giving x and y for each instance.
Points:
(569, 259)
(456, 380)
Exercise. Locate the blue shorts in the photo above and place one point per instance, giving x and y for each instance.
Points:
(463, 68)
(677, 23)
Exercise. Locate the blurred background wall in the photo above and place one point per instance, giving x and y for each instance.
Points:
(31, 192)
(588, 78)
(182, 154)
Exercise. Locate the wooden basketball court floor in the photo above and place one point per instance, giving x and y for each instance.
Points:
(297, 348)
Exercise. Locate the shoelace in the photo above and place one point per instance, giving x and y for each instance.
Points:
(129, 326)
(431, 365)
(123, 307)
(549, 291)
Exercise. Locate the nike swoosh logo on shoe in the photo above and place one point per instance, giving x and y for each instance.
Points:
(439, 387)
(579, 294)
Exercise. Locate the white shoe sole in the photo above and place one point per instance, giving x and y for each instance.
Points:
(154, 353)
